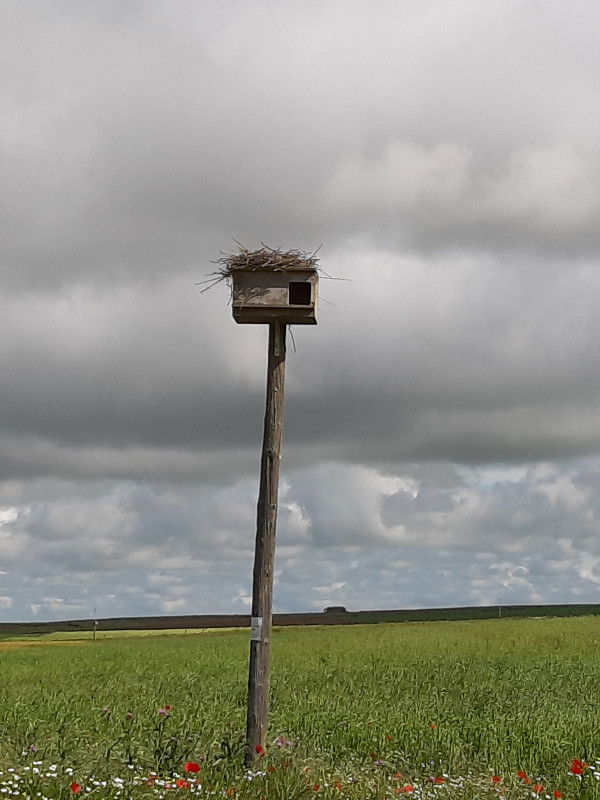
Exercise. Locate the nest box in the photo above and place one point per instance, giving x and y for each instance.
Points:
(280, 294)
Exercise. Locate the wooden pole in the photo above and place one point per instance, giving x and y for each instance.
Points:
(264, 554)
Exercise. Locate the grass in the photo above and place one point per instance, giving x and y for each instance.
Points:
(87, 636)
(363, 711)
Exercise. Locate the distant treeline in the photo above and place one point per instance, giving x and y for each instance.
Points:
(331, 616)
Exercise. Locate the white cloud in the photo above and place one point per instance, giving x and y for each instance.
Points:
(448, 188)
(8, 515)
(407, 178)
(550, 187)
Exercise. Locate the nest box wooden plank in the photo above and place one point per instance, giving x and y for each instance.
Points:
(284, 295)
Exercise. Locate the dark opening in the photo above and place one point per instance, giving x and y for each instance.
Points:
(299, 293)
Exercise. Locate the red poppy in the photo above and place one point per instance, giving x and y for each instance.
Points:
(406, 789)
(388, 738)
(495, 779)
(373, 755)
(316, 787)
(271, 768)
(577, 766)
(259, 750)
(556, 793)
(522, 774)
(75, 788)
(167, 707)
(538, 788)
(180, 783)
(432, 725)
(338, 785)
(397, 775)
(438, 779)
(191, 766)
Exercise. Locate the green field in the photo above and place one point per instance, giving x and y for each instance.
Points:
(437, 709)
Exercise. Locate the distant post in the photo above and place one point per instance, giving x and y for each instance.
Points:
(275, 288)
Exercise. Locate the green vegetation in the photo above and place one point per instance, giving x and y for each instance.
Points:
(88, 636)
(358, 711)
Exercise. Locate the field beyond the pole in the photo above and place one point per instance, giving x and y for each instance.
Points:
(496, 708)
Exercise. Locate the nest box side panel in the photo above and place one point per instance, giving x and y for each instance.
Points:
(261, 296)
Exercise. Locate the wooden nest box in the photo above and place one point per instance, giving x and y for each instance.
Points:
(275, 293)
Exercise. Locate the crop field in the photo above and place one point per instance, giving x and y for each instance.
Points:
(487, 709)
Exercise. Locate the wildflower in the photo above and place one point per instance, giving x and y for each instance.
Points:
(538, 788)
(524, 777)
(191, 766)
(432, 725)
(387, 737)
(556, 794)
(338, 785)
(495, 779)
(271, 768)
(181, 783)
(316, 787)
(406, 789)
(75, 787)
(164, 712)
(577, 766)
(281, 741)
(259, 750)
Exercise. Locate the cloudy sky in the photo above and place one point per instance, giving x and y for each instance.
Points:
(442, 422)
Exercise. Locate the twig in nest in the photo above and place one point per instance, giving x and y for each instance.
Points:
(267, 259)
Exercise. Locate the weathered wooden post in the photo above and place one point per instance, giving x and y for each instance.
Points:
(275, 288)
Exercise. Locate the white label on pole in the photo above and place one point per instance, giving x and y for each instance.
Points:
(256, 629)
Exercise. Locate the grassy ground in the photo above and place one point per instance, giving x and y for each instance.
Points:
(88, 636)
(454, 709)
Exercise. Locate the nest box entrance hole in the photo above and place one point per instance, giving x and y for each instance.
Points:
(299, 293)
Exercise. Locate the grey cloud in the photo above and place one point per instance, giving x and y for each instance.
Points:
(421, 536)
(446, 155)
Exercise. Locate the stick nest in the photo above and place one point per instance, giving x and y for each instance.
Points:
(267, 259)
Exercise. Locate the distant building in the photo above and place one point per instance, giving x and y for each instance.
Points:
(335, 610)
